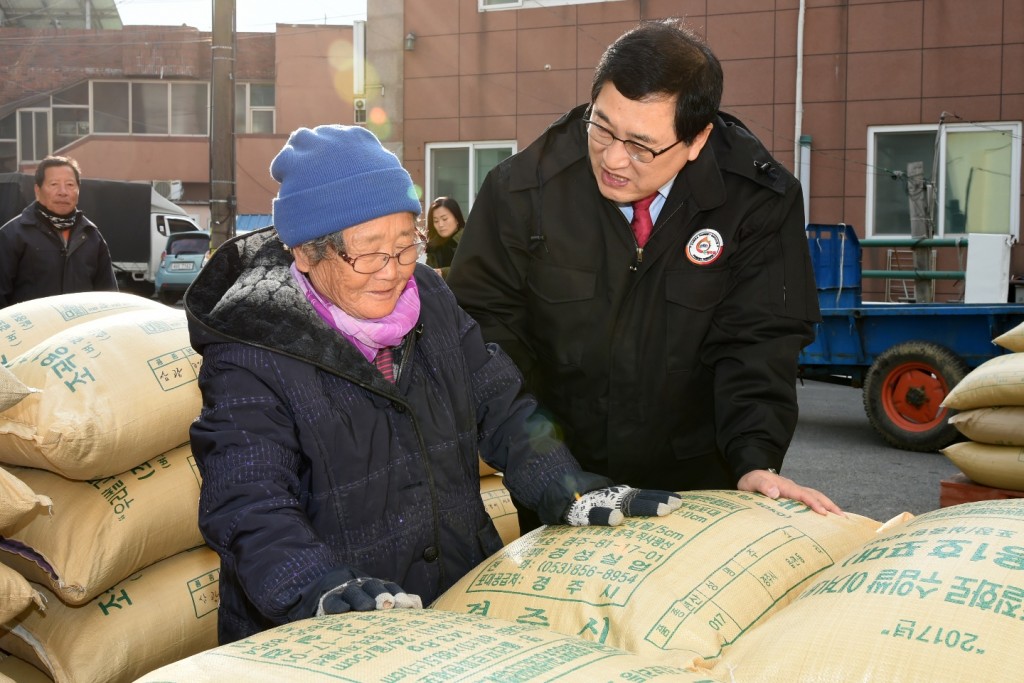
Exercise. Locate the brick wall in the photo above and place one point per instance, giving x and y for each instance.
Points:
(37, 62)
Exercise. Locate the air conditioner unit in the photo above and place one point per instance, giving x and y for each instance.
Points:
(169, 189)
(359, 106)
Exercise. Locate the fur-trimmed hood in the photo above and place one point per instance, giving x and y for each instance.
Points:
(247, 294)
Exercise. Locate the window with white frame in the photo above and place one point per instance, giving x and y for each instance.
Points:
(69, 110)
(111, 108)
(492, 5)
(190, 109)
(457, 169)
(108, 107)
(9, 143)
(973, 170)
(33, 134)
(254, 107)
(151, 107)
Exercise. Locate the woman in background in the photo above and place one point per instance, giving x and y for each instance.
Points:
(444, 230)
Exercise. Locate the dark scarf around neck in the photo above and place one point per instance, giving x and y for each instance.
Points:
(59, 223)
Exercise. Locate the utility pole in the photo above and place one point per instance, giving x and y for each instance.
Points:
(923, 195)
(222, 124)
(921, 227)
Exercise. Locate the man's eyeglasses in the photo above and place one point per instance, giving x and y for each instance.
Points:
(635, 150)
(367, 264)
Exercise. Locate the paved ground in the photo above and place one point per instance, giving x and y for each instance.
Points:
(837, 451)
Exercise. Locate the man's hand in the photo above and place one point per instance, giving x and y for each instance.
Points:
(776, 486)
(609, 506)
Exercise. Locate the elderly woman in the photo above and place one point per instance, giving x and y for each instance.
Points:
(345, 400)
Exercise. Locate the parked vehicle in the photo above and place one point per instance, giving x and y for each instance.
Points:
(905, 356)
(180, 263)
(133, 219)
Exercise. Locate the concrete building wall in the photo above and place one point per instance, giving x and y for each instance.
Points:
(385, 82)
(313, 86)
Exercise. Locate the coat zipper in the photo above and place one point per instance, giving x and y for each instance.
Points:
(638, 256)
(407, 349)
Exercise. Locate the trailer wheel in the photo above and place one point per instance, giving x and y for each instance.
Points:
(903, 391)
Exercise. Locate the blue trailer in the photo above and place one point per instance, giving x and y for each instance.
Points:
(906, 357)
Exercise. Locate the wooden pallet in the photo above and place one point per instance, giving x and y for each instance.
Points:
(959, 489)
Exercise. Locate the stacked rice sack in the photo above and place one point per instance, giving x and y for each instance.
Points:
(936, 599)
(498, 503)
(991, 404)
(674, 589)
(99, 490)
(651, 600)
(732, 587)
(417, 645)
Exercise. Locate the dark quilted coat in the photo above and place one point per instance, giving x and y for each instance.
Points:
(314, 466)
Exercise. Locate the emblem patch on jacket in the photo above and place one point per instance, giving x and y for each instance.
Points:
(704, 247)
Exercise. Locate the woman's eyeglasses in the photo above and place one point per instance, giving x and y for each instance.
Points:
(367, 264)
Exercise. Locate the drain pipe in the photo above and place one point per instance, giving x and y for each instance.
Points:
(804, 173)
(798, 111)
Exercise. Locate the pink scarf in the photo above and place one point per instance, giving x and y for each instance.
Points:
(367, 335)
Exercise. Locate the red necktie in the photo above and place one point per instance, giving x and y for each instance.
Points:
(642, 223)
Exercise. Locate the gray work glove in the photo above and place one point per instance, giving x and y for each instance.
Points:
(366, 594)
(610, 505)
(345, 589)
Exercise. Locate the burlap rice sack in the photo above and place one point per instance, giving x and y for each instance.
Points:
(12, 390)
(115, 392)
(999, 425)
(998, 381)
(1012, 339)
(673, 589)
(14, 670)
(159, 615)
(16, 594)
(498, 504)
(999, 466)
(104, 530)
(17, 500)
(938, 599)
(415, 645)
(24, 325)
(486, 469)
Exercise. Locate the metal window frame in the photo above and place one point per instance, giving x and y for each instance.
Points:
(1012, 128)
(472, 146)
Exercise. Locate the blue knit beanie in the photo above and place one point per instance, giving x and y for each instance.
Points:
(334, 177)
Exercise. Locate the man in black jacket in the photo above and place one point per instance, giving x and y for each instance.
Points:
(51, 247)
(665, 347)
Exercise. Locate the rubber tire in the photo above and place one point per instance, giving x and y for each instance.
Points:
(168, 298)
(916, 366)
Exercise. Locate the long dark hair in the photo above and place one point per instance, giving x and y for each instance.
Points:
(451, 205)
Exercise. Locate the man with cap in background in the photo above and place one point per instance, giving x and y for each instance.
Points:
(345, 400)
